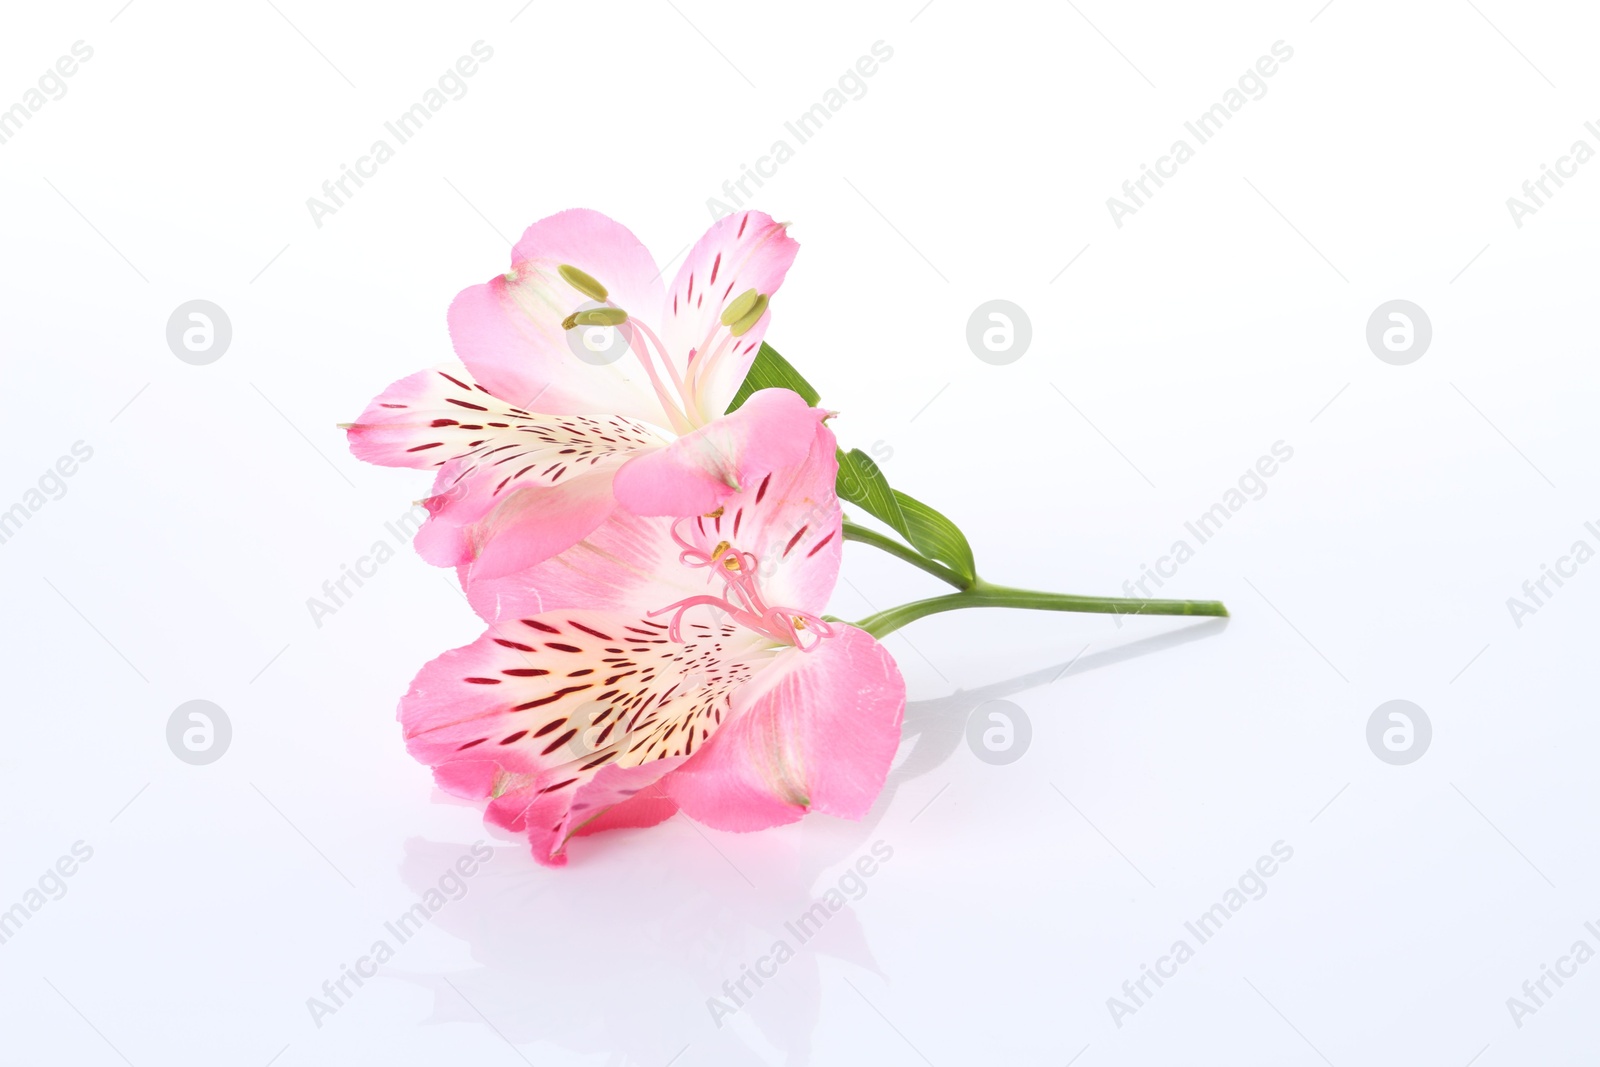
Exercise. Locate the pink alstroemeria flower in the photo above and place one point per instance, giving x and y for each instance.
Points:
(535, 446)
(669, 664)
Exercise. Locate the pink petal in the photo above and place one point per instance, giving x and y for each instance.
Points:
(699, 471)
(525, 528)
(628, 563)
(739, 252)
(648, 807)
(815, 731)
(549, 819)
(508, 330)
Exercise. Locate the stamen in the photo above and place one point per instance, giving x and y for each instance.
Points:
(666, 359)
(750, 317)
(742, 600)
(739, 307)
(682, 606)
(615, 316)
(699, 370)
(583, 282)
(633, 334)
(607, 316)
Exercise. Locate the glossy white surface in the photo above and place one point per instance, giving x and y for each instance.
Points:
(1166, 757)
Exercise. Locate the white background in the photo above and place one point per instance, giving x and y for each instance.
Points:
(1228, 314)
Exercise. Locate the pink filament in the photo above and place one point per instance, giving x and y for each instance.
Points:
(742, 600)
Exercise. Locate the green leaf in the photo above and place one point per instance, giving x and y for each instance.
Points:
(862, 483)
(937, 537)
(772, 371)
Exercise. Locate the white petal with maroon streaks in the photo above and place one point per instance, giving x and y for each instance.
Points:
(484, 451)
(530, 714)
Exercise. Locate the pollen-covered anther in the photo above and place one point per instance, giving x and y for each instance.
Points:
(729, 560)
(715, 514)
(582, 281)
(751, 316)
(595, 317)
(739, 307)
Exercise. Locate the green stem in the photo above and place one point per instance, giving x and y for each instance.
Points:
(852, 532)
(983, 595)
(978, 593)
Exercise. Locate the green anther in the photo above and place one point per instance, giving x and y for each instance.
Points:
(582, 282)
(596, 317)
(740, 307)
(758, 309)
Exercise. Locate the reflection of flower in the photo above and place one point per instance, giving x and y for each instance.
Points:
(689, 661)
(635, 991)
(534, 447)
